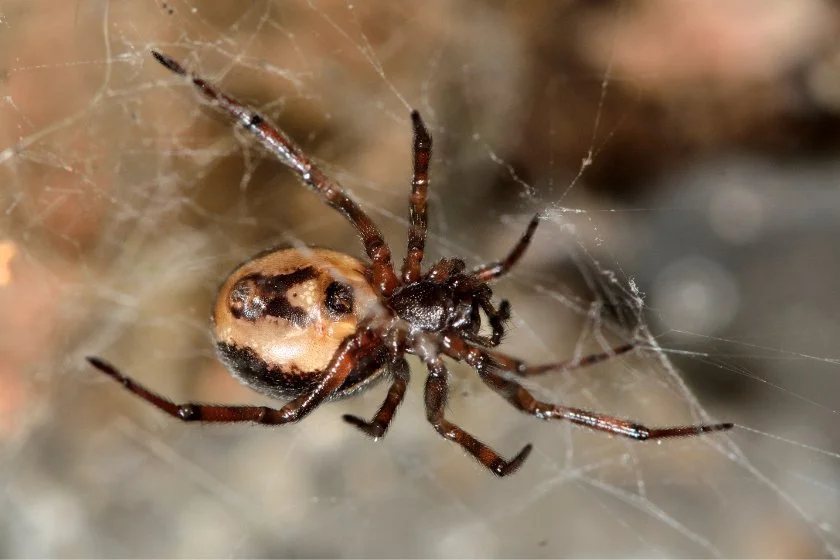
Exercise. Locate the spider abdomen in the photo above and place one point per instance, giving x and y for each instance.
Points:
(280, 317)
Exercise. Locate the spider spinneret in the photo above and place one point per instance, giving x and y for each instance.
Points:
(314, 325)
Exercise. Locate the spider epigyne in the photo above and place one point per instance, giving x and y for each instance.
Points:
(313, 325)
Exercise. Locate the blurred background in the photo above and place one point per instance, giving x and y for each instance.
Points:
(684, 154)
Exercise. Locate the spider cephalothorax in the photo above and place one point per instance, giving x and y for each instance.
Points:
(312, 325)
(445, 299)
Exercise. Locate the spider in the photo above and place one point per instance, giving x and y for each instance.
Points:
(313, 325)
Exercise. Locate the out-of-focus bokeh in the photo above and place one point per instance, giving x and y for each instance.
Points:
(684, 156)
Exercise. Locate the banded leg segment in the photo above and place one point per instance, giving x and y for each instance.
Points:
(418, 222)
(459, 349)
(522, 399)
(497, 319)
(485, 362)
(277, 143)
(437, 389)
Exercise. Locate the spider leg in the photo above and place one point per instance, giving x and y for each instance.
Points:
(457, 348)
(522, 399)
(377, 427)
(494, 270)
(484, 362)
(348, 354)
(435, 397)
(277, 143)
(417, 206)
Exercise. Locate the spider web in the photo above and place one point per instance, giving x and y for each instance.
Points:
(681, 154)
